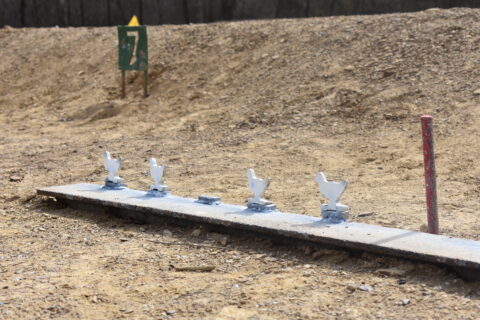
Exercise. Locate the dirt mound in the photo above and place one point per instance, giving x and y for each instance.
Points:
(287, 97)
(99, 111)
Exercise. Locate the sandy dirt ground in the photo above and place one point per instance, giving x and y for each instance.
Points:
(288, 98)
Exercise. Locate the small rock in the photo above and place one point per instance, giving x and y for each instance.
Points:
(126, 310)
(365, 287)
(10, 198)
(351, 288)
(170, 312)
(402, 281)
(307, 250)
(221, 238)
(27, 198)
(15, 179)
(477, 92)
(307, 273)
(405, 302)
(167, 233)
(224, 241)
(395, 272)
(197, 233)
(366, 214)
(317, 254)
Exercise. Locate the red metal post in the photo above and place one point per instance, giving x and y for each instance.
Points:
(430, 179)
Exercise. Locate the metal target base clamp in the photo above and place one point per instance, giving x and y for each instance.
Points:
(263, 206)
(114, 185)
(158, 192)
(208, 200)
(335, 216)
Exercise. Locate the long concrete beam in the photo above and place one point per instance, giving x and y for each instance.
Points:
(460, 254)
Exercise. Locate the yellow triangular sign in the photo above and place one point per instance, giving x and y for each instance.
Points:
(134, 22)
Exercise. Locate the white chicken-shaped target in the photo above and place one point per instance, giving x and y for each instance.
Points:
(112, 166)
(156, 172)
(332, 191)
(257, 186)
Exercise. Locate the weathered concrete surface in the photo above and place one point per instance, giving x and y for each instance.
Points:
(451, 252)
(36, 13)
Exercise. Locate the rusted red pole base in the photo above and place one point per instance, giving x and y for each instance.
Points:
(430, 178)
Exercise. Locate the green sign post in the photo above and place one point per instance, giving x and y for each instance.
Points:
(133, 52)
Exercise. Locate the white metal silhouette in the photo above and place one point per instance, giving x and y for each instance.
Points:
(332, 191)
(156, 172)
(258, 187)
(112, 166)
